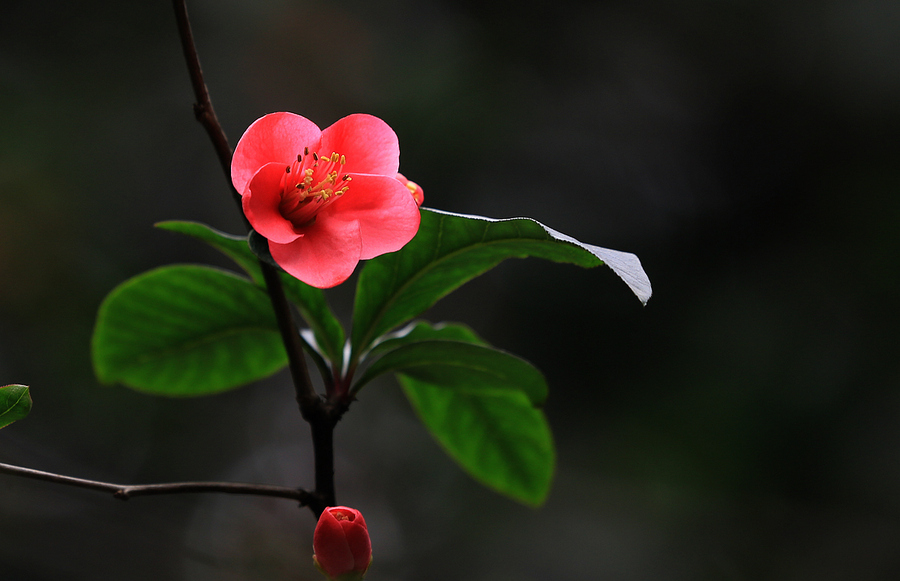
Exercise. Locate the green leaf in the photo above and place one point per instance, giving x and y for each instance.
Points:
(451, 249)
(185, 330)
(234, 247)
(310, 301)
(259, 246)
(497, 436)
(467, 367)
(480, 403)
(15, 403)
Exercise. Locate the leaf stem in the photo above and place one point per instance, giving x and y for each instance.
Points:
(126, 491)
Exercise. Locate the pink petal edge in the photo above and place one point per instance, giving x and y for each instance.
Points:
(387, 214)
(368, 143)
(326, 255)
(276, 137)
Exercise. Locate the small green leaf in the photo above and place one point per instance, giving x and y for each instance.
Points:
(185, 330)
(451, 249)
(259, 246)
(310, 301)
(467, 367)
(15, 403)
(497, 436)
(234, 247)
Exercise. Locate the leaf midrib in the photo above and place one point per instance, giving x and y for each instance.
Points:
(15, 404)
(156, 354)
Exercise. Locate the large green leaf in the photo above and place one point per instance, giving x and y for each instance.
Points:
(451, 249)
(15, 403)
(496, 435)
(310, 301)
(466, 367)
(185, 330)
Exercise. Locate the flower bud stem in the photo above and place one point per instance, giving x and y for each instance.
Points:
(323, 447)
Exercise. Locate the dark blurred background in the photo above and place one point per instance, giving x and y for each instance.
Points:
(744, 425)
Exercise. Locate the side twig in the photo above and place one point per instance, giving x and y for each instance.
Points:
(126, 491)
(321, 416)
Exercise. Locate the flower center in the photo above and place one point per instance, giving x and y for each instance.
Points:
(311, 183)
(341, 515)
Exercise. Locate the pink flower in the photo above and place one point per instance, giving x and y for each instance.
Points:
(341, 544)
(324, 199)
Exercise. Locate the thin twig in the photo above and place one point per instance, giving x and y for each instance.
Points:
(203, 109)
(206, 115)
(321, 416)
(126, 491)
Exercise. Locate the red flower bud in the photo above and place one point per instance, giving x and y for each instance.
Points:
(341, 544)
(414, 188)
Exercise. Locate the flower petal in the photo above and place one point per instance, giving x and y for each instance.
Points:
(387, 214)
(359, 543)
(261, 205)
(368, 143)
(330, 546)
(326, 254)
(277, 137)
